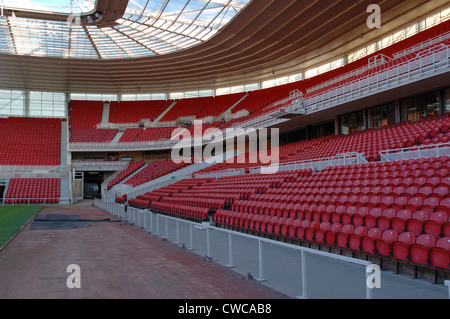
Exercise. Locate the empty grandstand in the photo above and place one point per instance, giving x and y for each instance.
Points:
(96, 108)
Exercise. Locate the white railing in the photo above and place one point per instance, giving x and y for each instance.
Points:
(414, 152)
(223, 245)
(100, 165)
(10, 171)
(422, 45)
(407, 70)
(219, 174)
(313, 164)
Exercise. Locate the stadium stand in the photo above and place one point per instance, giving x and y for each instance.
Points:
(85, 114)
(152, 171)
(134, 111)
(131, 168)
(185, 108)
(33, 190)
(367, 204)
(92, 135)
(30, 141)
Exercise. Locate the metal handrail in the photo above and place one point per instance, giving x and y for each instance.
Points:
(133, 215)
(430, 150)
(405, 69)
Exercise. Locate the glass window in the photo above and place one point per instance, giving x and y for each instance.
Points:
(93, 97)
(47, 104)
(432, 104)
(447, 100)
(12, 103)
(352, 122)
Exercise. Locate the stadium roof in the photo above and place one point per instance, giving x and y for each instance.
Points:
(145, 28)
(149, 46)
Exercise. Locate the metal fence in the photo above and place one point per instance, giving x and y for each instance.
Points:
(414, 152)
(294, 270)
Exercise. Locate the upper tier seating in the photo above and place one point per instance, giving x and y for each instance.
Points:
(259, 99)
(134, 111)
(130, 135)
(92, 135)
(85, 114)
(33, 190)
(84, 117)
(219, 104)
(185, 108)
(30, 141)
(151, 134)
(432, 130)
(397, 52)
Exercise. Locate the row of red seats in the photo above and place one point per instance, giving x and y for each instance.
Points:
(30, 141)
(342, 74)
(368, 142)
(85, 114)
(135, 111)
(130, 135)
(92, 135)
(152, 171)
(422, 249)
(218, 105)
(157, 133)
(131, 168)
(185, 108)
(296, 203)
(190, 212)
(33, 190)
(88, 113)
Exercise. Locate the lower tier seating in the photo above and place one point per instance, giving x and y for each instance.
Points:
(132, 167)
(33, 190)
(152, 171)
(398, 210)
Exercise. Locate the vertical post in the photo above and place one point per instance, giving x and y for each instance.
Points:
(230, 251)
(157, 225)
(191, 237)
(167, 228)
(304, 290)
(178, 232)
(151, 221)
(260, 261)
(208, 243)
(145, 219)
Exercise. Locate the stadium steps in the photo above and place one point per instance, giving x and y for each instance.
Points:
(105, 114)
(222, 116)
(117, 137)
(172, 177)
(160, 116)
